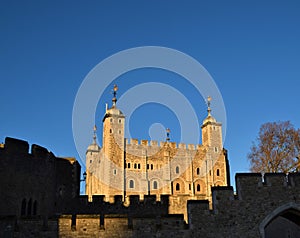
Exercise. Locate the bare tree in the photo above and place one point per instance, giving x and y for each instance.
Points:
(276, 149)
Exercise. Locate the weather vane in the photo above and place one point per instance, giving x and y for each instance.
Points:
(95, 136)
(115, 94)
(115, 90)
(208, 101)
(168, 134)
(208, 104)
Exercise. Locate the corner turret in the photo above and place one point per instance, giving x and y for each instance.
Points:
(94, 147)
(211, 131)
(92, 157)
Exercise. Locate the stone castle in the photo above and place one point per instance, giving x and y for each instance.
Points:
(40, 194)
(129, 167)
(40, 198)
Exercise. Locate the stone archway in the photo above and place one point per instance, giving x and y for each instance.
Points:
(282, 222)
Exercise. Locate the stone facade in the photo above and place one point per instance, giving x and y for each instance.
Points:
(263, 206)
(131, 167)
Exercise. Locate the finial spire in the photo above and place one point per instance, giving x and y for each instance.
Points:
(168, 134)
(95, 135)
(208, 105)
(114, 100)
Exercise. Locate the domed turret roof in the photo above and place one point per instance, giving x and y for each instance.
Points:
(94, 146)
(114, 111)
(209, 118)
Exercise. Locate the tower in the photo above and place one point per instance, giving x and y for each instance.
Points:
(112, 157)
(92, 158)
(211, 131)
(113, 129)
(216, 163)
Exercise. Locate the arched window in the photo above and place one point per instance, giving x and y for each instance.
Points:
(139, 166)
(34, 208)
(198, 188)
(23, 207)
(154, 184)
(151, 166)
(110, 130)
(198, 171)
(120, 120)
(135, 166)
(177, 186)
(131, 183)
(218, 172)
(29, 207)
(128, 165)
(177, 170)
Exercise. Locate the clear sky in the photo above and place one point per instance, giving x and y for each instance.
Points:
(250, 48)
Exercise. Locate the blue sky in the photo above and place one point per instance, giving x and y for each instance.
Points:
(250, 48)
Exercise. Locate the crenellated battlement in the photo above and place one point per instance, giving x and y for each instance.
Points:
(149, 206)
(275, 180)
(161, 144)
(256, 194)
(257, 201)
(253, 187)
(16, 146)
(20, 147)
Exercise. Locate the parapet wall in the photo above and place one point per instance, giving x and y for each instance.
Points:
(19, 147)
(16, 146)
(149, 206)
(251, 186)
(161, 144)
(245, 211)
(273, 183)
